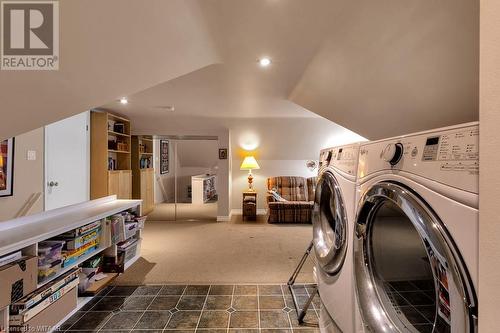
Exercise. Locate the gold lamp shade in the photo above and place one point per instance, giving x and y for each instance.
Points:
(249, 163)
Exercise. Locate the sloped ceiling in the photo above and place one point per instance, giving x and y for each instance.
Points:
(289, 32)
(392, 67)
(108, 49)
(197, 153)
(379, 68)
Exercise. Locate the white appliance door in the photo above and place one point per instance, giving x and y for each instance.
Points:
(67, 162)
(330, 225)
(410, 276)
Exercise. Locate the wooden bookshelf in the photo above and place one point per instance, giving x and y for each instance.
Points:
(143, 171)
(110, 156)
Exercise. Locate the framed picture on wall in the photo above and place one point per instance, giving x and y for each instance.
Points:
(6, 167)
(164, 157)
(223, 154)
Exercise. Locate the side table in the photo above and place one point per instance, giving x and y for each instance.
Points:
(249, 205)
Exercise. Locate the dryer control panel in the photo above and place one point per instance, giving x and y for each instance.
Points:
(342, 158)
(449, 156)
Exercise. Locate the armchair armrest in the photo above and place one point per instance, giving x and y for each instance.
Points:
(270, 198)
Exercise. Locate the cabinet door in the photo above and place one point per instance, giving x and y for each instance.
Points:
(125, 179)
(144, 180)
(147, 194)
(114, 183)
(150, 189)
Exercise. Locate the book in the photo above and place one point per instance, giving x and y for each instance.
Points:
(11, 257)
(83, 239)
(81, 230)
(117, 229)
(40, 294)
(71, 257)
(23, 317)
(71, 261)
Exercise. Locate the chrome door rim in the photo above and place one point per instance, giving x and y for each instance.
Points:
(428, 226)
(330, 256)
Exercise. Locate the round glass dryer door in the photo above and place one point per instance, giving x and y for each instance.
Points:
(329, 225)
(409, 275)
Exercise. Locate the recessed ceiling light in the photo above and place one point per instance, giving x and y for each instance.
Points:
(264, 62)
(124, 100)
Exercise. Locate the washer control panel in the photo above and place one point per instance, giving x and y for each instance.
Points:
(449, 156)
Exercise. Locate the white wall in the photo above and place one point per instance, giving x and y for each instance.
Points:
(28, 175)
(268, 168)
(281, 147)
(489, 180)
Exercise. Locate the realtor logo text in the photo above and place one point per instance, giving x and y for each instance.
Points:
(30, 35)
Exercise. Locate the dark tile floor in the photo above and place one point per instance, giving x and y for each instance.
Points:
(196, 308)
(415, 301)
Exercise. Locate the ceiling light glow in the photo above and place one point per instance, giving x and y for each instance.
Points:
(249, 141)
(124, 100)
(264, 62)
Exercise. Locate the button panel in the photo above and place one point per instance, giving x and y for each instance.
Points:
(455, 146)
(449, 156)
(342, 158)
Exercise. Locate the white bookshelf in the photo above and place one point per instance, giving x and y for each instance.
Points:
(25, 233)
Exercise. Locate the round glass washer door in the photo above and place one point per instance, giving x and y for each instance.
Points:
(410, 277)
(329, 225)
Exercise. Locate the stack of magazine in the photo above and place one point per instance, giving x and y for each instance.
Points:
(31, 305)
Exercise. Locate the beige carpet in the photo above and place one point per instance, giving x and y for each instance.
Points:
(214, 253)
(185, 211)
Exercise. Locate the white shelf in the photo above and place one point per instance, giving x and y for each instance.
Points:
(20, 233)
(26, 232)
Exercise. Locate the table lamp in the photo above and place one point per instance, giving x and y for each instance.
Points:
(249, 163)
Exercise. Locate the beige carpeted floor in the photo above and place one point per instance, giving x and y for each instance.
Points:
(185, 211)
(214, 253)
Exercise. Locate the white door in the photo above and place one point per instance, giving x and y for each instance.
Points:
(67, 162)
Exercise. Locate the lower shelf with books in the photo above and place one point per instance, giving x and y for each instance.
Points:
(65, 269)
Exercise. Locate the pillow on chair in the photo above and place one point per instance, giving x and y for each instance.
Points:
(276, 195)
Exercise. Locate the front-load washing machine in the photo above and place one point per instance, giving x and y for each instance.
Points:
(416, 232)
(333, 225)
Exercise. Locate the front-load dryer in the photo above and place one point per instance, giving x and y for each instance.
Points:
(333, 223)
(416, 232)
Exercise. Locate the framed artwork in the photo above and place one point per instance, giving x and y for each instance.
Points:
(163, 157)
(223, 154)
(6, 167)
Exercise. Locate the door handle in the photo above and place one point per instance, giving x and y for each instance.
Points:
(53, 184)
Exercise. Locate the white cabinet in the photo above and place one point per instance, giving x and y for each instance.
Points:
(203, 188)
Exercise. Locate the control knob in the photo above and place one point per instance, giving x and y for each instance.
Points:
(392, 153)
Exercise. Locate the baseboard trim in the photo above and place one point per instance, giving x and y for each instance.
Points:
(226, 218)
(240, 212)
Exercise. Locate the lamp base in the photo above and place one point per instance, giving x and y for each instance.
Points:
(250, 180)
